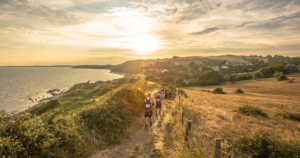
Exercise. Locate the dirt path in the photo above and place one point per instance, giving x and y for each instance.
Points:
(145, 143)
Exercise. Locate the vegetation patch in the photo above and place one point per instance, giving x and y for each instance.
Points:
(219, 90)
(263, 144)
(282, 78)
(182, 92)
(111, 118)
(239, 91)
(47, 106)
(289, 116)
(251, 110)
(291, 80)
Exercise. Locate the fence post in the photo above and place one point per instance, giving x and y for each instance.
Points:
(188, 128)
(218, 148)
(182, 117)
(179, 100)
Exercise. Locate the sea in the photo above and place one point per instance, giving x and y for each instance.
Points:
(18, 84)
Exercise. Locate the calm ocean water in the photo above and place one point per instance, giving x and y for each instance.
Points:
(17, 84)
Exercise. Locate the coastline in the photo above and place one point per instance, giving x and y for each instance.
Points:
(45, 101)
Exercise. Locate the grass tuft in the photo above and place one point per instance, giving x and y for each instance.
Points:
(251, 110)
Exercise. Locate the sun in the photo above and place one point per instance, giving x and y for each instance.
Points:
(144, 43)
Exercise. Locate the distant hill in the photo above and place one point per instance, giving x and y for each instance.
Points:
(95, 66)
(134, 66)
(130, 67)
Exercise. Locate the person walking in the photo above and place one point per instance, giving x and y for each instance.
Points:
(174, 93)
(158, 98)
(163, 92)
(148, 104)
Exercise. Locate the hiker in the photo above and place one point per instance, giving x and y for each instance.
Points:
(174, 93)
(158, 98)
(163, 92)
(148, 103)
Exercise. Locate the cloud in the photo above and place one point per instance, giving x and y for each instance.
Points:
(205, 31)
(26, 9)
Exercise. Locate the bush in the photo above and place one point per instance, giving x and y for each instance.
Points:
(290, 116)
(122, 80)
(182, 93)
(282, 78)
(47, 106)
(277, 74)
(264, 145)
(218, 90)
(250, 110)
(239, 91)
(291, 80)
(257, 75)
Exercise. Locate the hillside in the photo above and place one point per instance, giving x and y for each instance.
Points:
(268, 111)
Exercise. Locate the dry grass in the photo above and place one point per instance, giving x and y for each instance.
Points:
(215, 116)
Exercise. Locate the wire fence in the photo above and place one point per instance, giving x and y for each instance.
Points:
(189, 135)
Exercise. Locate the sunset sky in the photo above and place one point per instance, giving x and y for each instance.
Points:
(71, 32)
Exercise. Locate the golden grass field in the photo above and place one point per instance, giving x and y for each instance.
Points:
(216, 116)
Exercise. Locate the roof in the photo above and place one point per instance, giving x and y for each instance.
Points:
(189, 80)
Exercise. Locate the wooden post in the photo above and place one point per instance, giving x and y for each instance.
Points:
(188, 128)
(218, 148)
(182, 117)
(179, 101)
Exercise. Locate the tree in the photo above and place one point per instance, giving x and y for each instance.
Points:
(232, 78)
(179, 81)
(257, 75)
(212, 77)
(149, 77)
(168, 79)
(195, 67)
(191, 64)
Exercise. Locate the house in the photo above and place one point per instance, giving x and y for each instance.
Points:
(200, 68)
(225, 67)
(183, 72)
(188, 81)
(250, 69)
(216, 68)
(265, 60)
(249, 63)
(235, 63)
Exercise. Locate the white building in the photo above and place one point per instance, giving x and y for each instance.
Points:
(216, 68)
(200, 68)
(188, 81)
(225, 67)
(249, 63)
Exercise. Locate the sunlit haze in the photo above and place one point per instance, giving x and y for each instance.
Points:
(71, 32)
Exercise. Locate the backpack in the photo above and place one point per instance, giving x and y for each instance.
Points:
(158, 99)
(148, 104)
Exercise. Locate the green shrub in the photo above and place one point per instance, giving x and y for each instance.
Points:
(111, 118)
(251, 110)
(277, 74)
(257, 75)
(219, 90)
(290, 116)
(282, 78)
(264, 145)
(24, 136)
(239, 91)
(47, 106)
(291, 80)
(182, 92)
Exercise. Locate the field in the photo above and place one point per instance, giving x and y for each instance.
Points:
(266, 106)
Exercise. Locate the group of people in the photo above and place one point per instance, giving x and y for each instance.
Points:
(149, 103)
